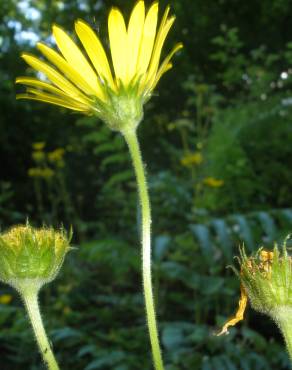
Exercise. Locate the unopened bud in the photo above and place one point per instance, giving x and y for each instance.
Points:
(31, 255)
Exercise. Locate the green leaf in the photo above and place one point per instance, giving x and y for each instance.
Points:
(245, 230)
(172, 338)
(222, 235)
(161, 245)
(202, 234)
(268, 225)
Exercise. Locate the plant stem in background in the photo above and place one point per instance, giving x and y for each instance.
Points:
(133, 144)
(30, 298)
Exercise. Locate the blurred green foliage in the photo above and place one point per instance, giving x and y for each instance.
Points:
(217, 146)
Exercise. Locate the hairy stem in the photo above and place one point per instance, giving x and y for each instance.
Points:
(30, 297)
(133, 144)
(283, 317)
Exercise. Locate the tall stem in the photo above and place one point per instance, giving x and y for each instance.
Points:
(30, 297)
(133, 144)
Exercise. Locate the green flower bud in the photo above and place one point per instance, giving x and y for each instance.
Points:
(266, 281)
(31, 256)
(266, 278)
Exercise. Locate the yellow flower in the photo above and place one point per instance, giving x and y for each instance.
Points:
(38, 145)
(34, 172)
(212, 182)
(5, 298)
(56, 155)
(45, 173)
(115, 92)
(38, 156)
(194, 158)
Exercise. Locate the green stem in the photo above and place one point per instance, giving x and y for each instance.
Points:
(133, 144)
(30, 297)
(283, 317)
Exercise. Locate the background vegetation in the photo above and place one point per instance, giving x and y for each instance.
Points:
(217, 143)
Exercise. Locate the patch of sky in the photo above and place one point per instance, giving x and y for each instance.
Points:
(83, 5)
(15, 25)
(287, 101)
(41, 76)
(28, 11)
(50, 41)
(22, 36)
(284, 75)
(60, 5)
(29, 37)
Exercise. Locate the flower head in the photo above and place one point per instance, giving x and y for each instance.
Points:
(38, 145)
(38, 156)
(114, 91)
(56, 157)
(192, 159)
(5, 298)
(28, 254)
(212, 182)
(266, 282)
(45, 173)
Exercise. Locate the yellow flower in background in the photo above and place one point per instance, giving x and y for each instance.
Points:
(38, 145)
(34, 172)
(45, 173)
(88, 82)
(38, 156)
(212, 182)
(5, 298)
(192, 159)
(56, 155)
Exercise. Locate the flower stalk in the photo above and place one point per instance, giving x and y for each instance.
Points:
(133, 144)
(30, 298)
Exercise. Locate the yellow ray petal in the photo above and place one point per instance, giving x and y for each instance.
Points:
(146, 90)
(75, 57)
(239, 314)
(61, 96)
(31, 81)
(135, 30)
(165, 66)
(66, 68)
(52, 75)
(154, 63)
(50, 100)
(161, 72)
(118, 43)
(148, 38)
(95, 51)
